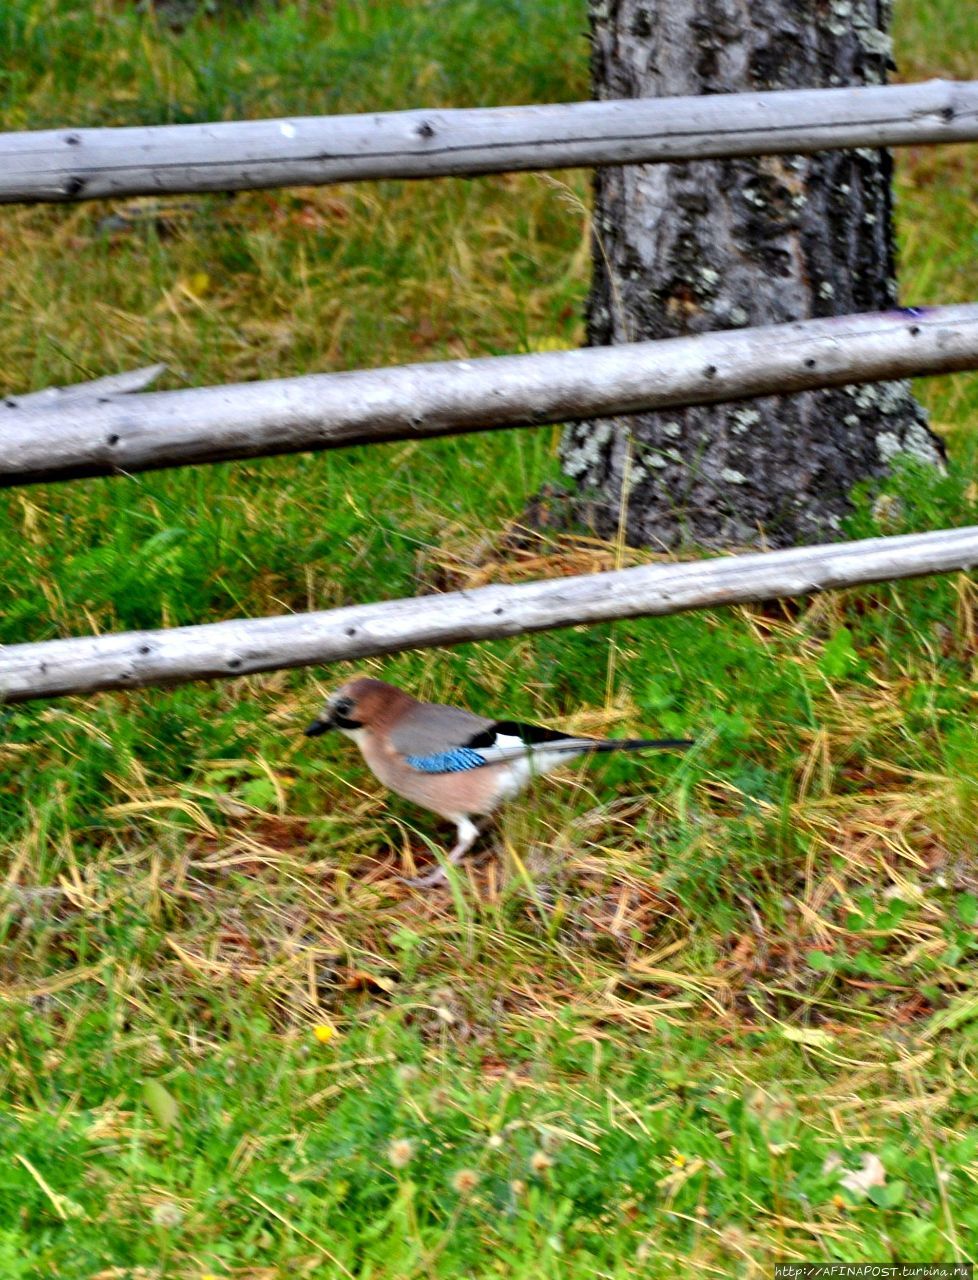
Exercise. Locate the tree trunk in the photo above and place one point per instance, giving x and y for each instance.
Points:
(685, 248)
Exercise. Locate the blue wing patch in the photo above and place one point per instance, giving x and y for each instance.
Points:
(456, 761)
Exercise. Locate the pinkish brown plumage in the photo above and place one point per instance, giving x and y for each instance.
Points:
(449, 760)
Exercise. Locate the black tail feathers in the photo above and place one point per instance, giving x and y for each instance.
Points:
(640, 744)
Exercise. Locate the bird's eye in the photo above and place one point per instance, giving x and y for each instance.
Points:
(343, 706)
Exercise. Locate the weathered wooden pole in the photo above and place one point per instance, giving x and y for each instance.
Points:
(326, 411)
(81, 164)
(219, 650)
(99, 389)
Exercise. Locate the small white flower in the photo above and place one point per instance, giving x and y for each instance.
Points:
(465, 1181)
(872, 1174)
(167, 1214)
(400, 1152)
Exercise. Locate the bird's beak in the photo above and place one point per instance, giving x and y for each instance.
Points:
(318, 726)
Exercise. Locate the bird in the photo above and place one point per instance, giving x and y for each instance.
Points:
(448, 760)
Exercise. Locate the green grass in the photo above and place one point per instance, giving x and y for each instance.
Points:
(642, 1035)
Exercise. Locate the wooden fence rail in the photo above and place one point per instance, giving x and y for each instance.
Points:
(139, 432)
(82, 164)
(113, 426)
(221, 650)
(97, 391)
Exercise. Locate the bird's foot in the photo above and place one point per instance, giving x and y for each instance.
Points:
(438, 876)
(468, 833)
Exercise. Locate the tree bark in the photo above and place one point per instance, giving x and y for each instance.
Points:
(685, 248)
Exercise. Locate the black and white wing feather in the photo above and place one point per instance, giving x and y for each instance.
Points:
(437, 739)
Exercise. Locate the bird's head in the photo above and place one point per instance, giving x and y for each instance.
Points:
(358, 704)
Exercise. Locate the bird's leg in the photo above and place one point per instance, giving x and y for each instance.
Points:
(468, 833)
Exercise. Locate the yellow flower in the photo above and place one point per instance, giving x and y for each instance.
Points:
(323, 1032)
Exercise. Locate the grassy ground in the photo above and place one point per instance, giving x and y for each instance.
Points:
(684, 1002)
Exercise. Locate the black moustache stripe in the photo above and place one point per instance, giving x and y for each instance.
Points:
(344, 722)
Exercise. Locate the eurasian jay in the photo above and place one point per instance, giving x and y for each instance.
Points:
(457, 764)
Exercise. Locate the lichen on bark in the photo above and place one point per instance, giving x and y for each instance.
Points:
(686, 248)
